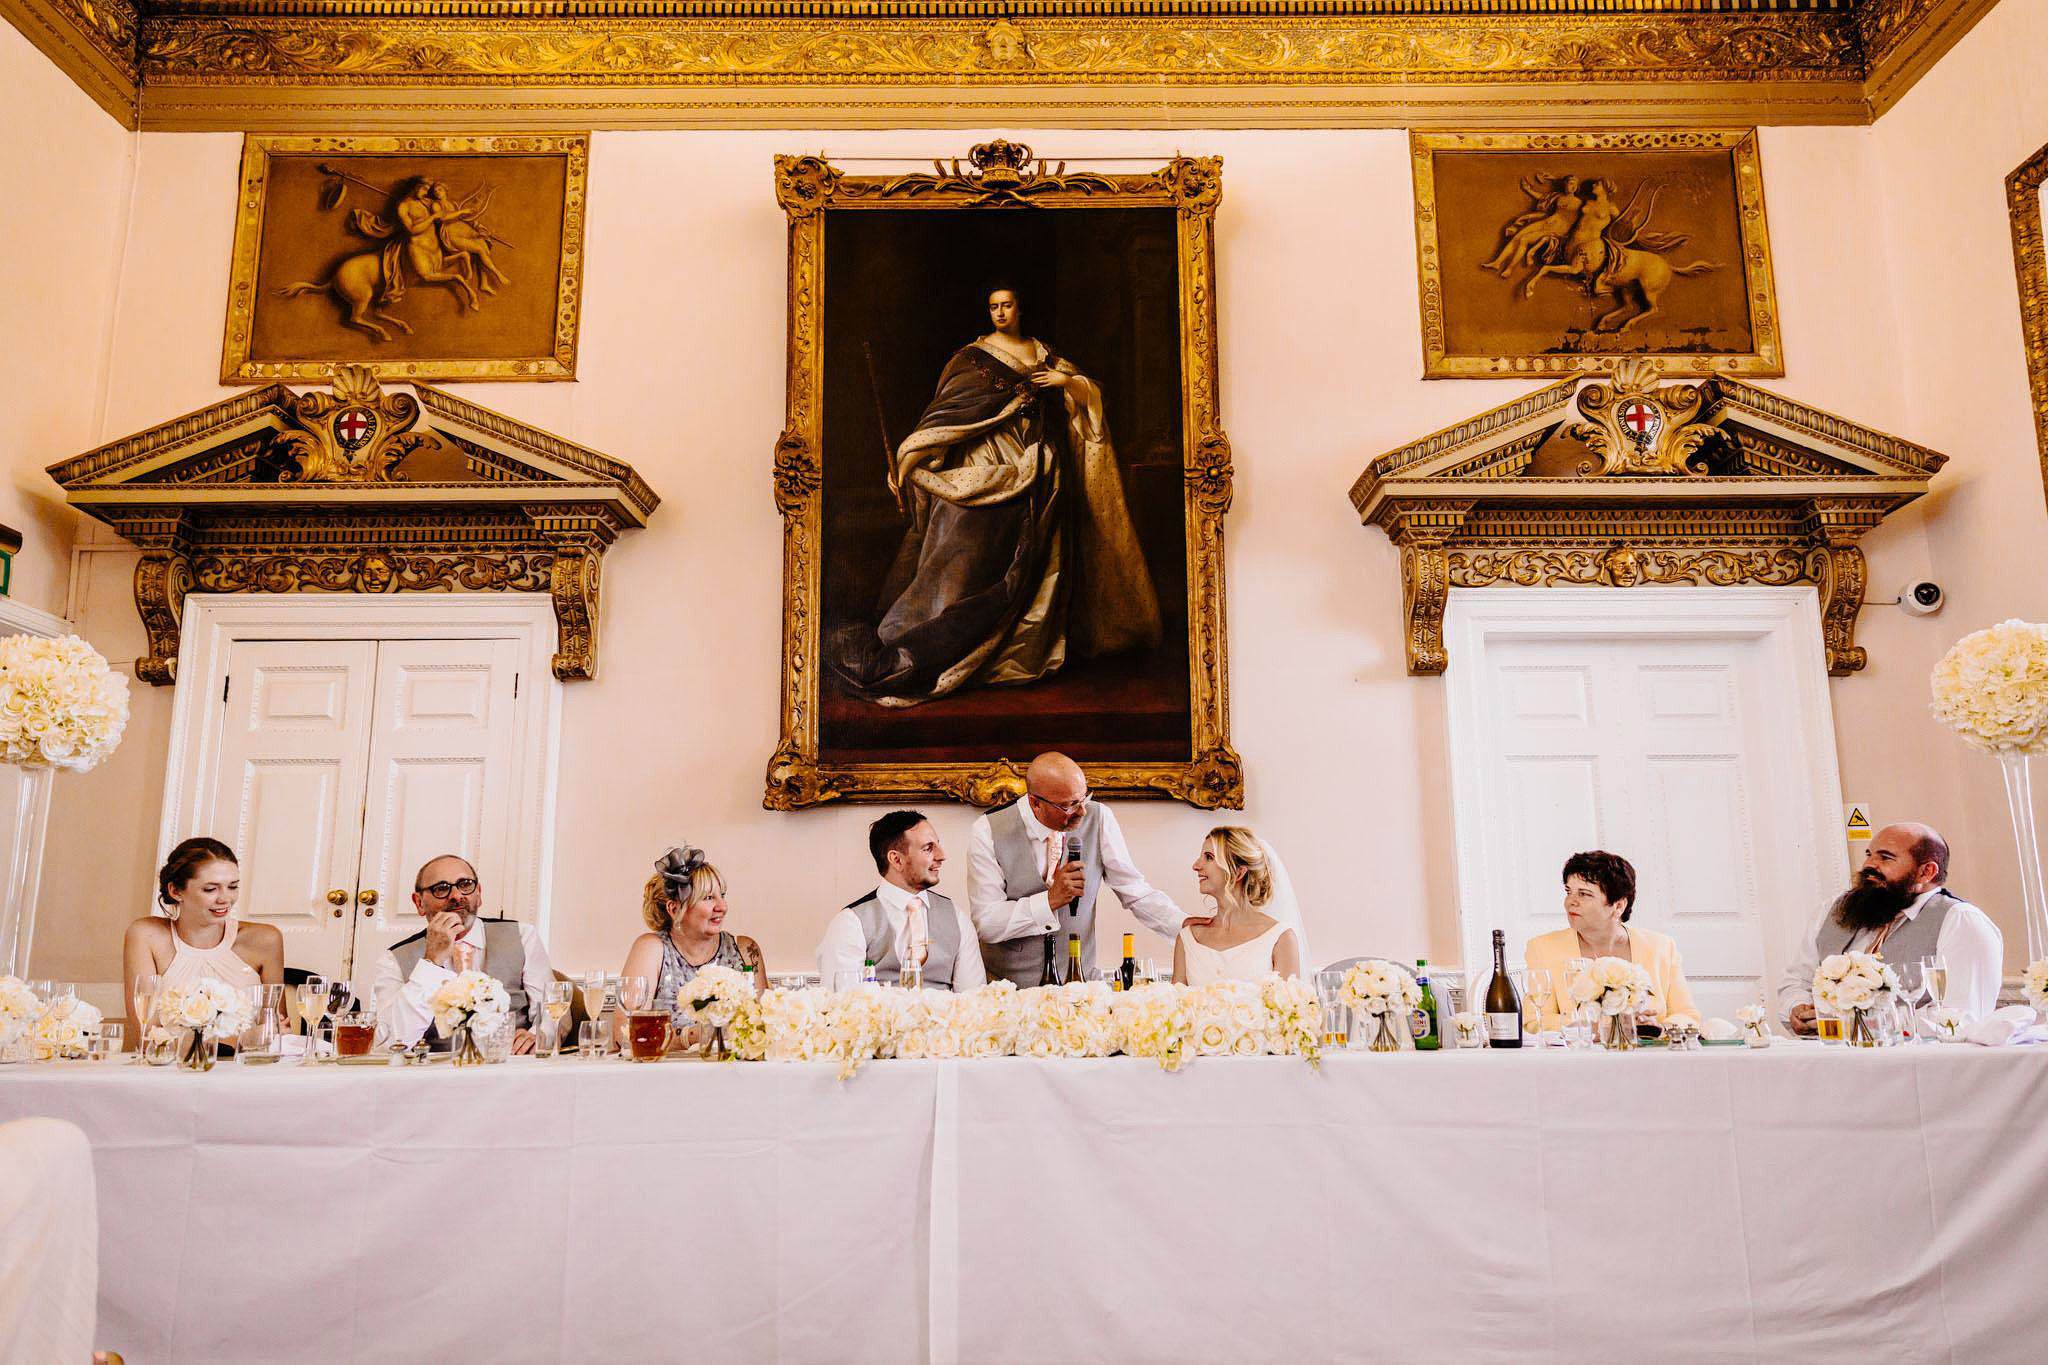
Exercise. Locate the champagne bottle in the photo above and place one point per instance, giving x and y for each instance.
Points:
(1127, 971)
(1503, 1003)
(1073, 958)
(1428, 1035)
(1050, 974)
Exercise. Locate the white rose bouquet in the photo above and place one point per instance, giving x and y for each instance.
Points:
(793, 1025)
(1991, 688)
(1153, 1021)
(204, 1010)
(715, 996)
(1853, 981)
(1294, 1019)
(986, 1020)
(1613, 985)
(18, 1011)
(1755, 1030)
(2035, 984)
(1381, 995)
(60, 705)
(857, 1026)
(467, 1005)
(65, 1028)
(1220, 1014)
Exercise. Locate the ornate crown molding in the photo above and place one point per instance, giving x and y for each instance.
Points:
(1643, 481)
(358, 490)
(310, 65)
(2030, 264)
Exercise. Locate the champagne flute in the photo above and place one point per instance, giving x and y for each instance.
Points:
(1934, 975)
(592, 988)
(555, 1002)
(312, 995)
(1538, 998)
(148, 986)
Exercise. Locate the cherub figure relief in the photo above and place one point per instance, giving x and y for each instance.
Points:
(1575, 230)
(427, 233)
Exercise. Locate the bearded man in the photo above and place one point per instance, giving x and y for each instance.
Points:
(1901, 908)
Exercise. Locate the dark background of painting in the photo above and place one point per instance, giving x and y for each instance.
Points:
(1479, 193)
(303, 242)
(1101, 288)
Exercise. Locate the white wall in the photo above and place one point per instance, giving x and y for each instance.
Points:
(682, 358)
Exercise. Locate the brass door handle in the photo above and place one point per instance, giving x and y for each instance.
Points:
(337, 898)
(368, 900)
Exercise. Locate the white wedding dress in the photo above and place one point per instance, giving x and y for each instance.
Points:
(1248, 961)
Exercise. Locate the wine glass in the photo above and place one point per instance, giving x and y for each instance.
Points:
(1934, 976)
(555, 1002)
(148, 985)
(312, 996)
(633, 994)
(341, 996)
(1539, 998)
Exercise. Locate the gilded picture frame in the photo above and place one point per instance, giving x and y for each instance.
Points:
(416, 258)
(2030, 263)
(902, 249)
(1552, 253)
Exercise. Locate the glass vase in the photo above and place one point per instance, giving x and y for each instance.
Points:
(1377, 1032)
(714, 1045)
(195, 1050)
(1616, 1032)
(462, 1045)
(1862, 1029)
(2019, 801)
(22, 875)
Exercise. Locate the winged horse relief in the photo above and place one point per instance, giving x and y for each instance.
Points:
(439, 239)
(1575, 230)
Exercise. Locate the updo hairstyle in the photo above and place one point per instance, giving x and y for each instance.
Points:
(1244, 859)
(680, 875)
(186, 860)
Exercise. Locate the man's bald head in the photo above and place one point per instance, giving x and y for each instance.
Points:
(1914, 845)
(1058, 789)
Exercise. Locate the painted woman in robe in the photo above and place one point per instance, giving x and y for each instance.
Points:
(1020, 552)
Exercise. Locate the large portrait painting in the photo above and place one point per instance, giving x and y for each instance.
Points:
(415, 257)
(1554, 253)
(1002, 481)
(2025, 190)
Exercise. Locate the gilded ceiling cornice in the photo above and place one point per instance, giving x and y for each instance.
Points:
(281, 65)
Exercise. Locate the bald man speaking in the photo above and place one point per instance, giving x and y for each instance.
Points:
(1034, 868)
(1901, 907)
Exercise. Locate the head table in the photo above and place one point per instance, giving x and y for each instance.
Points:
(1801, 1203)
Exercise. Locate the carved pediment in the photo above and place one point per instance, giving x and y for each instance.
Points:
(358, 488)
(1622, 478)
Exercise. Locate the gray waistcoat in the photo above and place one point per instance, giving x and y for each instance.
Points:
(504, 958)
(1911, 941)
(1023, 862)
(941, 921)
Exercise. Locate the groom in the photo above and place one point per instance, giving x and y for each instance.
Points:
(1034, 868)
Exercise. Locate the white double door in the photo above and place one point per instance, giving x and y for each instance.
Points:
(1700, 750)
(346, 764)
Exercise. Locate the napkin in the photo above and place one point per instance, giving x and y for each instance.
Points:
(1719, 1030)
(2007, 1027)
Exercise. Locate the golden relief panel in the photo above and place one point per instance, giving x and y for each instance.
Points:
(2030, 262)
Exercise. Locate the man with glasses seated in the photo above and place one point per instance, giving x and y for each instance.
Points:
(447, 895)
(1034, 868)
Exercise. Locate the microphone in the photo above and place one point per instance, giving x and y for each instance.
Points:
(1073, 854)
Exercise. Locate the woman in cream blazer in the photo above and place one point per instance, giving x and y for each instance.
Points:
(1599, 896)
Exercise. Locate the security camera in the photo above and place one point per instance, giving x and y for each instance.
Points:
(1922, 599)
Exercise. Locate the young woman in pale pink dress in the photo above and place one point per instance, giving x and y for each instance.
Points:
(1242, 942)
(197, 934)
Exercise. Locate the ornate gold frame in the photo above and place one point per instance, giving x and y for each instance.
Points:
(1004, 174)
(1622, 479)
(2030, 263)
(358, 490)
(236, 364)
(1437, 363)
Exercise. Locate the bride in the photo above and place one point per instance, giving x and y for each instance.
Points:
(1257, 926)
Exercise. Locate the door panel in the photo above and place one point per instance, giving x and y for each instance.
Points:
(288, 796)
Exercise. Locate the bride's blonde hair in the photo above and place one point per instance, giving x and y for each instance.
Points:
(1244, 857)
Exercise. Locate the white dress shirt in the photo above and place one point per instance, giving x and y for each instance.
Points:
(999, 918)
(845, 947)
(1969, 942)
(405, 1004)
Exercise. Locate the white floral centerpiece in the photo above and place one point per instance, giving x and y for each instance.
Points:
(1854, 986)
(465, 1006)
(1383, 994)
(18, 1010)
(1616, 990)
(1226, 1019)
(203, 1012)
(1294, 1018)
(1756, 1029)
(2034, 984)
(1991, 688)
(986, 1020)
(1469, 1027)
(857, 1026)
(792, 1025)
(1947, 1022)
(1153, 1021)
(1064, 1021)
(61, 706)
(715, 997)
(65, 1029)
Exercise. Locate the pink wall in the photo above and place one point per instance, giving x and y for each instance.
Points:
(682, 355)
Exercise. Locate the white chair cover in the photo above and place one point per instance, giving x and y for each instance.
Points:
(49, 1242)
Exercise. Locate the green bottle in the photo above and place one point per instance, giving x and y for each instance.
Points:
(1428, 1037)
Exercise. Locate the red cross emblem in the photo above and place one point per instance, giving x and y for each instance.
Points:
(353, 427)
(1641, 421)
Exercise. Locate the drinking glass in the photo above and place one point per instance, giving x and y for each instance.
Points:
(109, 1040)
(634, 993)
(589, 1041)
(354, 1032)
(1336, 1014)
(911, 977)
(341, 997)
(556, 1000)
(1539, 999)
(259, 1041)
(1934, 977)
(594, 988)
(147, 987)
(647, 1034)
(846, 981)
(312, 998)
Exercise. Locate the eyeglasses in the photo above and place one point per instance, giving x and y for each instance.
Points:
(439, 890)
(1063, 807)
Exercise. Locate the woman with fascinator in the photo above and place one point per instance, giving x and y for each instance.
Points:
(1256, 929)
(684, 906)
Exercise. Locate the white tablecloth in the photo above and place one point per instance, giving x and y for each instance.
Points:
(1801, 1203)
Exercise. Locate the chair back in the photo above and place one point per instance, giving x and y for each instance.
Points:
(1345, 963)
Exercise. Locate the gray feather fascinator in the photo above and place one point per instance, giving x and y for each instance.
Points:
(676, 867)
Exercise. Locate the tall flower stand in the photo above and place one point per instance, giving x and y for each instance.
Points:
(24, 867)
(2019, 800)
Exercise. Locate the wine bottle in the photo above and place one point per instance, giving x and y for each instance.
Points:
(1050, 974)
(1127, 971)
(1428, 1035)
(867, 974)
(1073, 958)
(1503, 1003)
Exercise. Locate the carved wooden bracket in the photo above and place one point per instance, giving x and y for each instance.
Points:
(1619, 479)
(361, 491)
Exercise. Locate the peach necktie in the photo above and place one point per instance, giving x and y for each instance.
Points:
(465, 957)
(916, 934)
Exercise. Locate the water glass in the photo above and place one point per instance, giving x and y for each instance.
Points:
(260, 1041)
(148, 985)
(589, 1040)
(634, 993)
(108, 1040)
(911, 977)
(847, 981)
